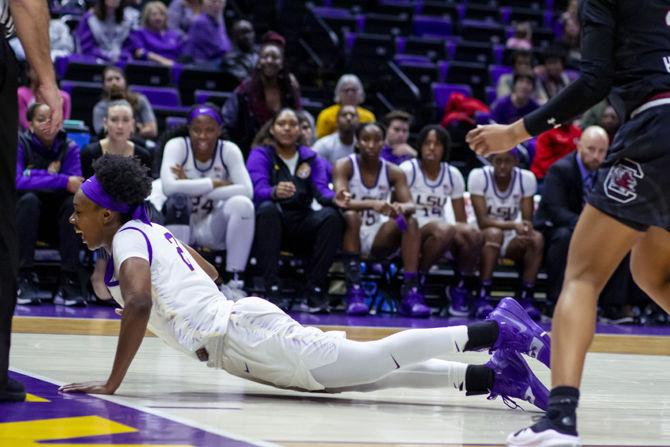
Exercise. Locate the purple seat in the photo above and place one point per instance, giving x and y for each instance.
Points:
(174, 121)
(332, 13)
(69, 86)
(495, 71)
(159, 96)
(442, 92)
(401, 59)
(432, 26)
(218, 98)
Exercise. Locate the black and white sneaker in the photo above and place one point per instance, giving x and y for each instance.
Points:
(543, 434)
(317, 301)
(27, 292)
(14, 391)
(70, 293)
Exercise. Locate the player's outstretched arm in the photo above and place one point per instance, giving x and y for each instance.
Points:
(135, 282)
(594, 83)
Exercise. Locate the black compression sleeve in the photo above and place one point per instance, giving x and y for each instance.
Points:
(597, 71)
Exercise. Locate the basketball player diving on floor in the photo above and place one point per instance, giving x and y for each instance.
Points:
(626, 54)
(166, 286)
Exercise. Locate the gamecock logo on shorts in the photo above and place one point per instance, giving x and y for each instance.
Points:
(621, 181)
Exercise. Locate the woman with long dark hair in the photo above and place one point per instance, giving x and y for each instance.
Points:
(287, 177)
(104, 30)
(254, 102)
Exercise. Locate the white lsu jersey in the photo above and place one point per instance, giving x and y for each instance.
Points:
(381, 190)
(226, 158)
(187, 307)
(503, 205)
(432, 197)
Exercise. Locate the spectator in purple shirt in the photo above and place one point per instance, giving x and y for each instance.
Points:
(207, 38)
(510, 108)
(103, 32)
(48, 173)
(154, 41)
(287, 177)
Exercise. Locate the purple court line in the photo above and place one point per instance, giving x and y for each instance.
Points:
(154, 426)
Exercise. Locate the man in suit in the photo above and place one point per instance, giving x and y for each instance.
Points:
(567, 184)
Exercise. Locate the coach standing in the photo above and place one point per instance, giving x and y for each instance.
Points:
(30, 20)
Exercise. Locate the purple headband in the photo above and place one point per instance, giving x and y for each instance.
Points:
(93, 190)
(204, 110)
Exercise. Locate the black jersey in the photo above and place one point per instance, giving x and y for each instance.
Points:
(625, 54)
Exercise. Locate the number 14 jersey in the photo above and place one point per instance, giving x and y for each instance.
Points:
(432, 196)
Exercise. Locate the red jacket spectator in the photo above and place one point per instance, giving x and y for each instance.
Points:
(553, 145)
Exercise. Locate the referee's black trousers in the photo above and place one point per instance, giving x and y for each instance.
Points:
(8, 240)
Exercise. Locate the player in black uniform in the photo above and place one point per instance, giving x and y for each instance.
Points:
(626, 54)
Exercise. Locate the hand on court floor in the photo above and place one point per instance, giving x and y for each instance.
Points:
(87, 387)
(495, 138)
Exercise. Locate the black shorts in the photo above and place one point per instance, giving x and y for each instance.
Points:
(634, 181)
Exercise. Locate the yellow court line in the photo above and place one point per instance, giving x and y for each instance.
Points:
(607, 343)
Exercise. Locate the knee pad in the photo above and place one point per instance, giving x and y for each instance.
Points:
(177, 210)
(240, 206)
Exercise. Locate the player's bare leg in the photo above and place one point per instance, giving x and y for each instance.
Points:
(528, 249)
(386, 242)
(650, 265)
(436, 237)
(598, 245)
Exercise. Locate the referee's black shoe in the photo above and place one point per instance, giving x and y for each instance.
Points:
(14, 391)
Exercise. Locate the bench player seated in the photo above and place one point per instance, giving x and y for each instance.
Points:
(502, 197)
(433, 183)
(209, 191)
(166, 286)
(374, 225)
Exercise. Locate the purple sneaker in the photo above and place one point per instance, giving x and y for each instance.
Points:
(458, 298)
(482, 308)
(519, 333)
(512, 378)
(532, 311)
(414, 304)
(356, 302)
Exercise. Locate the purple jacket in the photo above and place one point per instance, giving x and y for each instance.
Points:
(207, 39)
(267, 169)
(167, 44)
(33, 159)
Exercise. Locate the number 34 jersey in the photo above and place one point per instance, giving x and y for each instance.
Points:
(187, 307)
(227, 164)
(432, 196)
